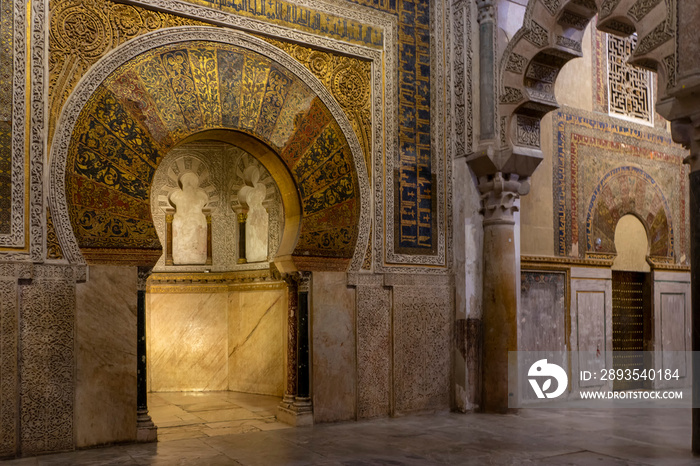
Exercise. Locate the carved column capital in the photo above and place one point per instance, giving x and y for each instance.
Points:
(499, 194)
(486, 10)
(304, 281)
(298, 279)
(143, 273)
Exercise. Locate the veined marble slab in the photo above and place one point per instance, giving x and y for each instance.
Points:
(187, 341)
(256, 348)
(106, 356)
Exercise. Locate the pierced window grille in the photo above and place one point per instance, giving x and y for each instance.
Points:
(630, 90)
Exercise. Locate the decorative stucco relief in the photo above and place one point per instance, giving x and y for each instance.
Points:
(13, 90)
(9, 415)
(47, 360)
(422, 336)
(422, 345)
(373, 348)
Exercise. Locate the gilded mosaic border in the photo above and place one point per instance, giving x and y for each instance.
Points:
(440, 66)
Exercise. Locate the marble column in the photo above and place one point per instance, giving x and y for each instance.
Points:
(210, 251)
(169, 215)
(292, 306)
(499, 195)
(683, 109)
(242, 217)
(296, 407)
(503, 171)
(303, 398)
(695, 299)
(146, 431)
(487, 82)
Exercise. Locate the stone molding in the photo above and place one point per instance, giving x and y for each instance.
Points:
(16, 238)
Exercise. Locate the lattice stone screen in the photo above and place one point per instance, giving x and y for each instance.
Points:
(629, 88)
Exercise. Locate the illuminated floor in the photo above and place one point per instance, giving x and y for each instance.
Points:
(185, 415)
(536, 436)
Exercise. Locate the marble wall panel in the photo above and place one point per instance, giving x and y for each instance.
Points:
(591, 320)
(47, 360)
(373, 350)
(422, 334)
(542, 318)
(672, 325)
(333, 347)
(257, 345)
(673, 328)
(105, 393)
(188, 341)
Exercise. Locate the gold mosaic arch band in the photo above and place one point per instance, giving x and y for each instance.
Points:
(110, 63)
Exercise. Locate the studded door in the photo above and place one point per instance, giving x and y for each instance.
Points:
(631, 328)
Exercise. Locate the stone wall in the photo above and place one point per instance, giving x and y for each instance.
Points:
(402, 327)
(47, 360)
(672, 329)
(37, 358)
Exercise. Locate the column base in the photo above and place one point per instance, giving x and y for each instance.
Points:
(297, 413)
(146, 431)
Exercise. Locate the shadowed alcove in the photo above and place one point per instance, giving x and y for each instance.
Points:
(215, 309)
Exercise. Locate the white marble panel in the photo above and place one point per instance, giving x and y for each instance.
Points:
(591, 320)
(105, 394)
(256, 348)
(333, 347)
(672, 327)
(187, 339)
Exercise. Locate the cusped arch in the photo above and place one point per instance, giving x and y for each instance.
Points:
(629, 190)
(181, 84)
(551, 36)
